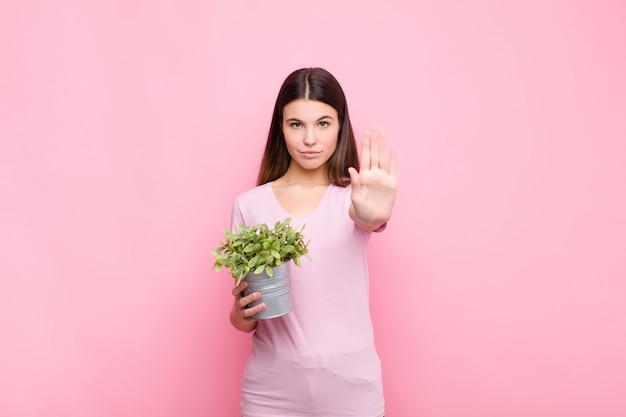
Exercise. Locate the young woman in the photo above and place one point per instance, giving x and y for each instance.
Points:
(319, 359)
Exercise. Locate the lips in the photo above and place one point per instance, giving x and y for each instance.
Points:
(309, 154)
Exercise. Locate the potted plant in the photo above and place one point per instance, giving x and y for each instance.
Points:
(260, 256)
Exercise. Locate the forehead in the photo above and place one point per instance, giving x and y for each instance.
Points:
(304, 109)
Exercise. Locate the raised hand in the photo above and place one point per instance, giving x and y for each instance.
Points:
(374, 186)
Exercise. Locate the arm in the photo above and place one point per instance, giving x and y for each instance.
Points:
(374, 186)
(240, 316)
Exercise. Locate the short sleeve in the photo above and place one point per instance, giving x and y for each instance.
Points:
(236, 216)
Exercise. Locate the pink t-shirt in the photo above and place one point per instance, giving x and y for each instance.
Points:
(319, 359)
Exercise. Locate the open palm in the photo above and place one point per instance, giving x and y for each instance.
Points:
(374, 186)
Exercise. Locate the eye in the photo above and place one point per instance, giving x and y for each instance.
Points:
(295, 125)
(324, 123)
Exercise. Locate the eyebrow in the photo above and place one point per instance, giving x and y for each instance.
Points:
(294, 119)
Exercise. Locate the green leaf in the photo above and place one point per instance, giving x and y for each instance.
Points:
(286, 250)
(239, 278)
(253, 262)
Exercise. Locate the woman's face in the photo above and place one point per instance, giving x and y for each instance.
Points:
(311, 130)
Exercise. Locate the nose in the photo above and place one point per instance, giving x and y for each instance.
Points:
(309, 137)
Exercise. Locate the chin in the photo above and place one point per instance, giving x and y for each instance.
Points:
(307, 165)
(311, 169)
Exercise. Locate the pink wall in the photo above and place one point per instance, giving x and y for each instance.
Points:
(127, 128)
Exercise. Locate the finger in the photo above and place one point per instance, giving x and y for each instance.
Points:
(238, 290)
(392, 162)
(355, 180)
(244, 301)
(249, 312)
(365, 151)
(383, 152)
(374, 149)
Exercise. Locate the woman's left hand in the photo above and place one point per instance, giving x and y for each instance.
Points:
(374, 186)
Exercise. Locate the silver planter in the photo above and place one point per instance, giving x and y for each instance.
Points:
(275, 291)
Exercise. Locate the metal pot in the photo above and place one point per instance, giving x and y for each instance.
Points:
(275, 291)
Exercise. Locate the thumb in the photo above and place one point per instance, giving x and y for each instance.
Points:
(355, 179)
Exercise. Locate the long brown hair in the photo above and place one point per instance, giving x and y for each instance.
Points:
(312, 84)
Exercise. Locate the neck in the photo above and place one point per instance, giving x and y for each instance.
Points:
(296, 175)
